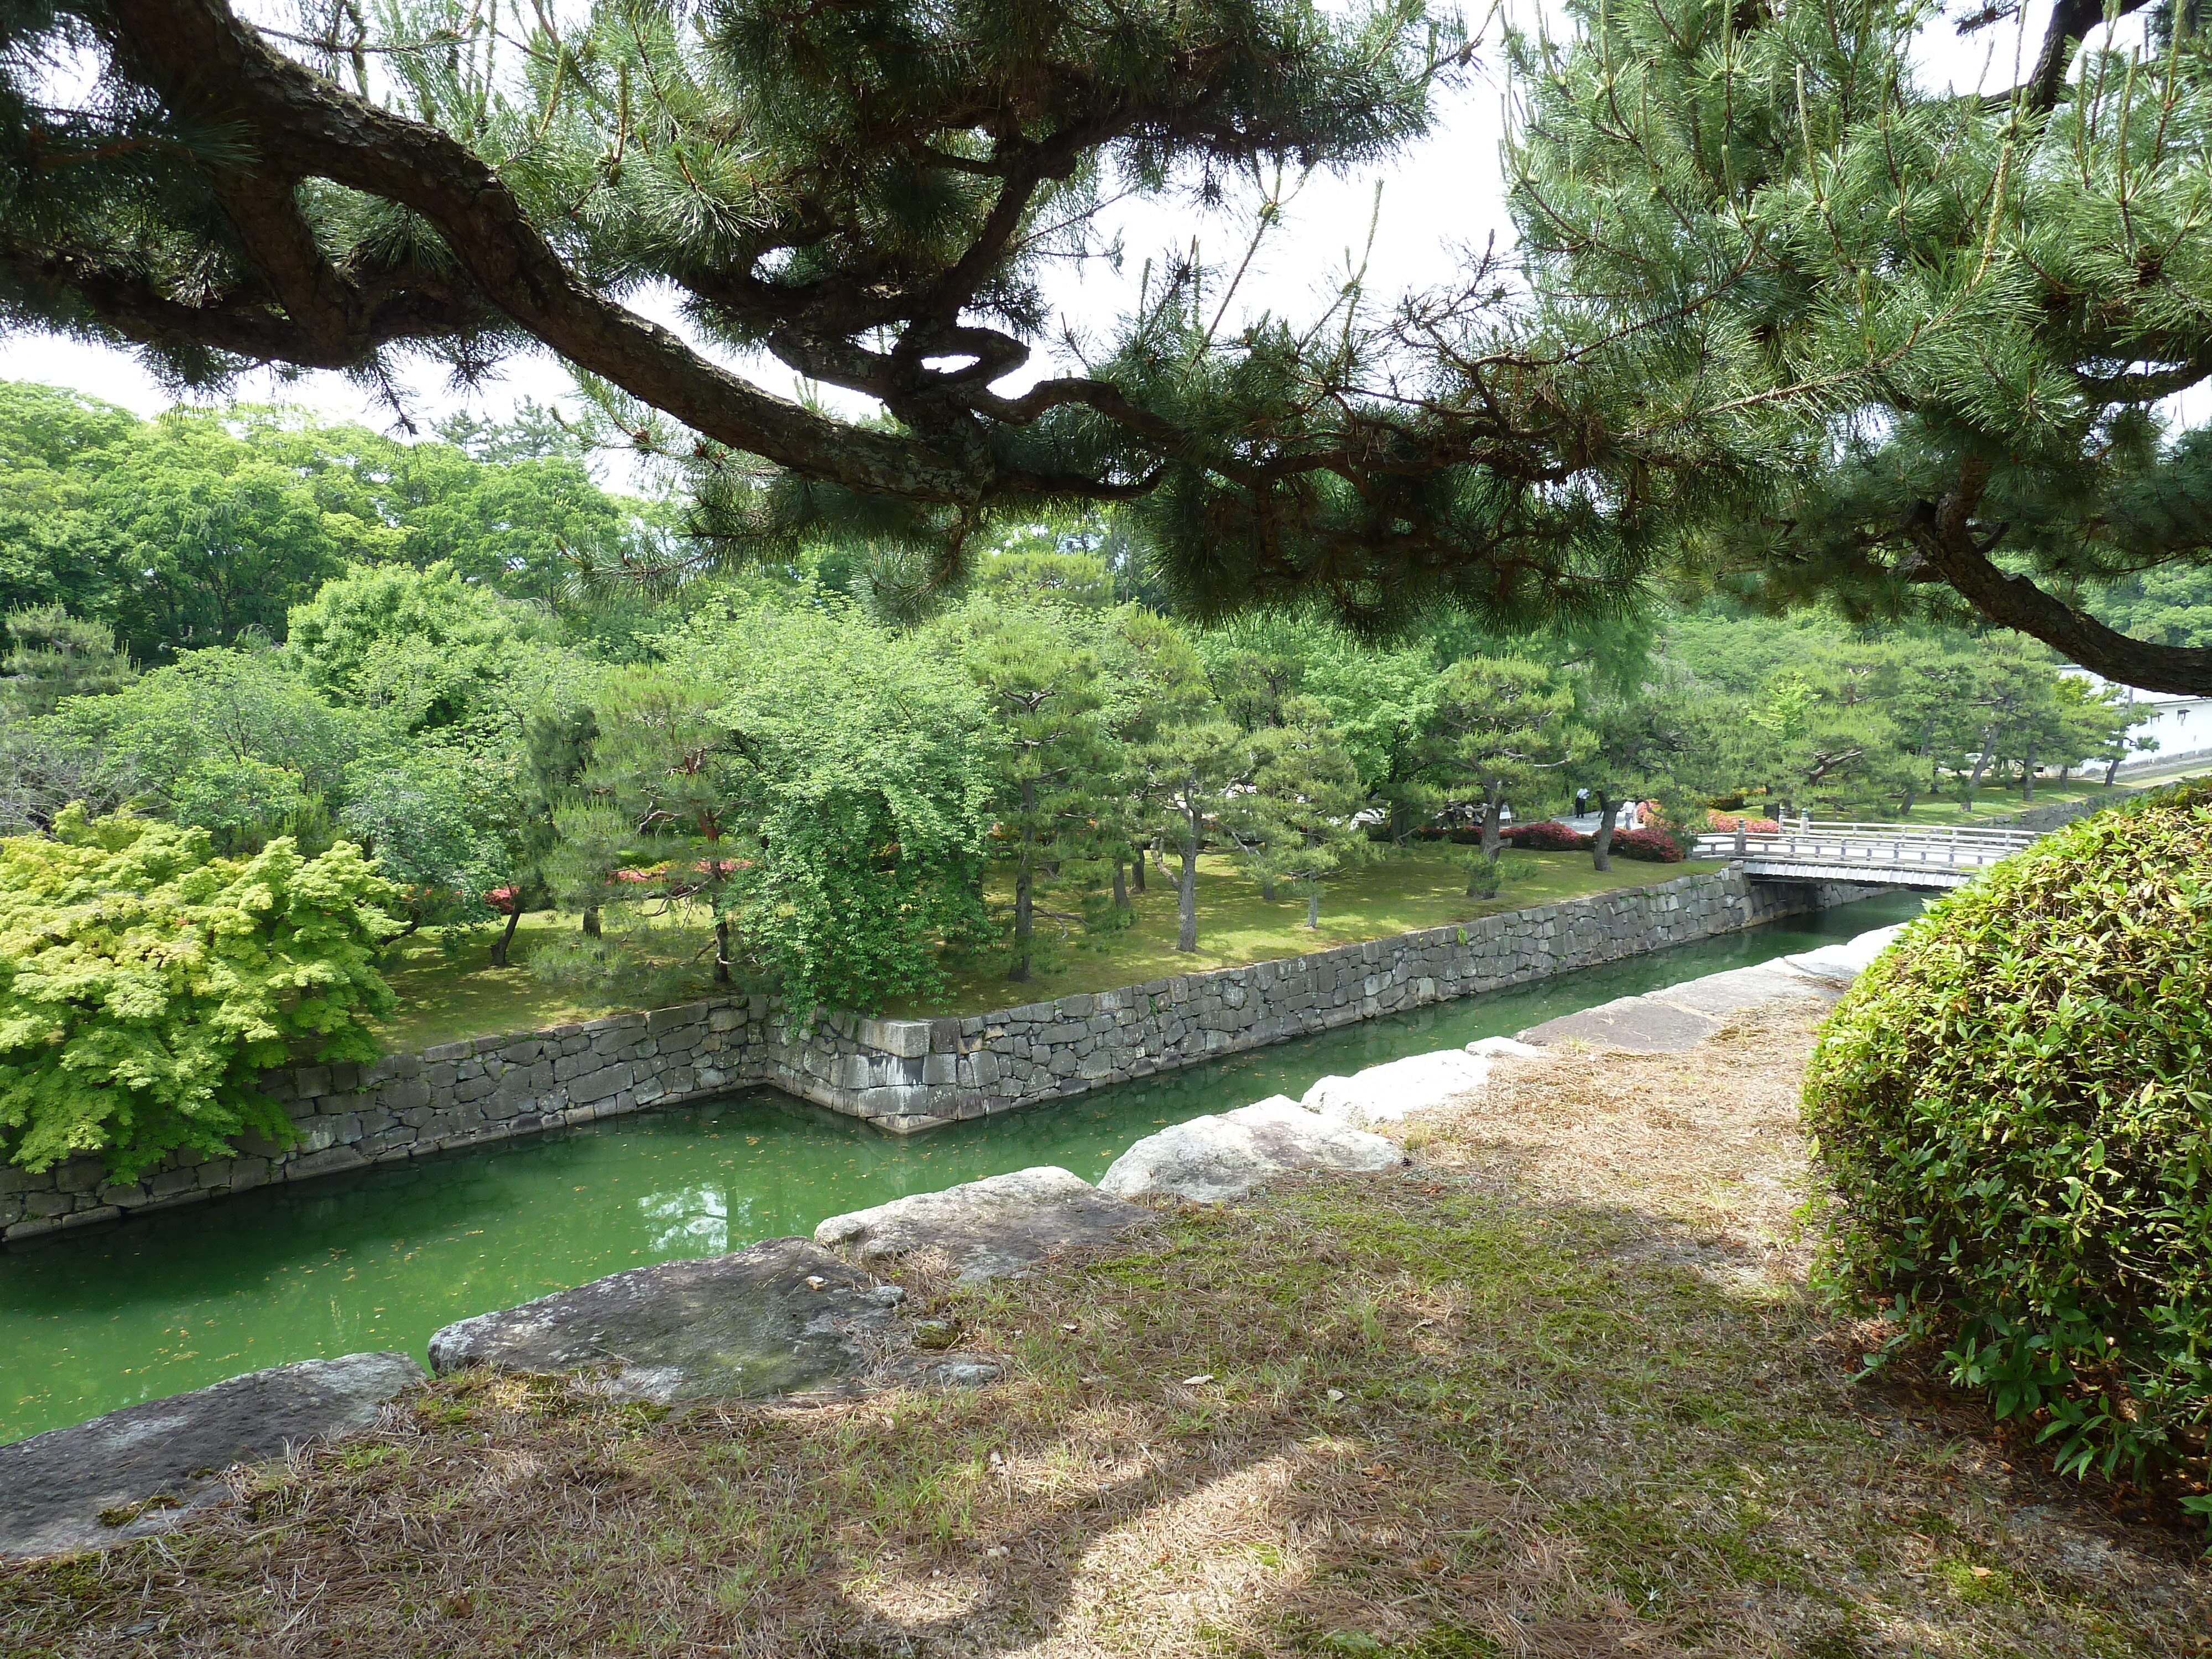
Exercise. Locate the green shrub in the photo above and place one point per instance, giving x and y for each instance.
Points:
(145, 984)
(2012, 1109)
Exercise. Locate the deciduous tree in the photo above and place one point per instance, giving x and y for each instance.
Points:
(146, 983)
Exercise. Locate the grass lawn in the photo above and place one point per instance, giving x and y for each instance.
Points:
(2002, 802)
(1993, 804)
(1558, 1390)
(446, 995)
(1420, 886)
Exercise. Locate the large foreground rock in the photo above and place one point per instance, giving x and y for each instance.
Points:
(1644, 1026)
(784, 1316)
(145, 1465)
(1419, 1083)
(1740, 990)
(985, 1229)
(1210, 1159)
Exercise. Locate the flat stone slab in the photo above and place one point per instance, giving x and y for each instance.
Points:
(1844, 963)
(987, 1229)
(1643, 1025)
(1210, 1159)
(1398, 1088)
(1679, 1017)
(146, 1465)
(783, 1316)
(1738, 989)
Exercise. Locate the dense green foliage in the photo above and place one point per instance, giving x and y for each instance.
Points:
(1915, 339)
(188, 530)
(2013, 1114)
(146, 982)
(2172, 605)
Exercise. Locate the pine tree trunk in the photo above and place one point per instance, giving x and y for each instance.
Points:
(2027, 779)
(590, 921)
(1492, 831)
(1121, 883)
(506, 933)
(1268, 889)
(1602, 842)
(1313, 909)
(2111, 771)
(722, 949)
(1137, 870)
(1187, 891)
(1024, 881)
(1981, 764)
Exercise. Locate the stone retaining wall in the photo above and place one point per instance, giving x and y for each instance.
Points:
(902, 1075)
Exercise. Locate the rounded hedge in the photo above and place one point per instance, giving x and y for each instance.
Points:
(2013, 1112)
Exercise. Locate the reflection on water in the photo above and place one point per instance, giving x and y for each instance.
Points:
(694, 1222)
(381, 1258)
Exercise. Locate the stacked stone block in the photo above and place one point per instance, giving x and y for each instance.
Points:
(902, 1075)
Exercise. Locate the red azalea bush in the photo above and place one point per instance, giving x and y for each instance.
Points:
(1751, 826)
(1651, 845)
(1550, 837)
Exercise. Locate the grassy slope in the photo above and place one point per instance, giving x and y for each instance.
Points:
(1557, 1392)
(2002, 802)
(447, 996)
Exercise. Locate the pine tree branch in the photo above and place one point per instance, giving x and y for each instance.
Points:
(203, 59)
(1944, 540)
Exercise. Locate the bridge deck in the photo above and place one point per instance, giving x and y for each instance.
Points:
(1897, 854)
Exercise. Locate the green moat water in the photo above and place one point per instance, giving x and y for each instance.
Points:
(382, 1258)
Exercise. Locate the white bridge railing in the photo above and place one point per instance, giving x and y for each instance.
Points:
(1896, 846)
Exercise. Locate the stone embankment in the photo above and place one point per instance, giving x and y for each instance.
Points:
(902, 1075)
(810, 1318)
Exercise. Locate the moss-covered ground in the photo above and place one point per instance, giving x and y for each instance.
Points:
(448, 992)
(1558, 1390)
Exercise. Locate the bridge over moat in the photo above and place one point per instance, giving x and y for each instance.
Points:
(1923, 855)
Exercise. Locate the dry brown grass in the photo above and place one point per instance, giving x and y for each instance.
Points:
(1556, 1392)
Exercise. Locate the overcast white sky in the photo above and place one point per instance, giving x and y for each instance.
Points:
(1441, 197)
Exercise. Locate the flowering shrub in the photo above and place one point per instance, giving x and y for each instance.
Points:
(1751, 826)
(1651, 845)
(1550, 837)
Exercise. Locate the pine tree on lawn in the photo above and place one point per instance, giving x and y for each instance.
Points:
(1056, 768)
(1295, 821)
(1505, 732)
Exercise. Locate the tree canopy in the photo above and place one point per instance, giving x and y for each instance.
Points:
(1777, 307)
(201, 525)
(1919, 338)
